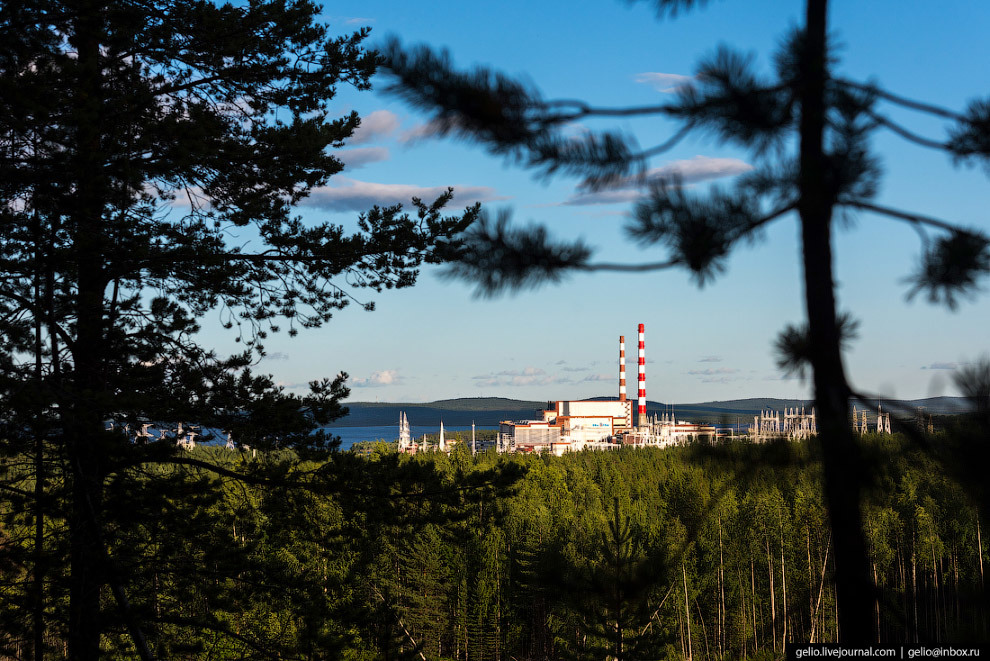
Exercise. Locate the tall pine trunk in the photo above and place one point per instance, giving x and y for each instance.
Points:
(843, 472)
(38, 579)
(83, 419)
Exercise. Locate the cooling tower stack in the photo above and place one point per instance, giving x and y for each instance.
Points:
(622, 368)
(641, 412)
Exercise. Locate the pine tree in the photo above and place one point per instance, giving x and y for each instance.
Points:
(150, 157)
(830, 120)
(610, 592)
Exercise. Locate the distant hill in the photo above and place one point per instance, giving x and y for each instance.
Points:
(463, 411)
(460, 404)
(492, 410)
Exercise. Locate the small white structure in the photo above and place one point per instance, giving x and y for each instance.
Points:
(405, 442)
(667, 430)
(144, 436)
(186, 438)
(791, 424)
(883, 423)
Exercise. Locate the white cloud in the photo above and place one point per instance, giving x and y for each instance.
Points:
(624, 196)
(713, 371)
(710, 359)
(358, 158)
(699, 168)
(381, 378)
(600, 377)
(941, 366)
(437, 127)
(720, 375)
(356, 195)
(276, 355)
(530, 376)
(351, 20)
(420, 132)
(431, 129)
(380, 123)
(664, 82)
(632, 188)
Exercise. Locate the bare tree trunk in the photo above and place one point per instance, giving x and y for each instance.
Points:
(721, 586)
(979, 547)
(821, 589)
(783, 582)
(902, 568)
(843, 471)
(742, 609)
(687, 612)
(773, 602)
(935, 593)
(955, 586)
(914, 588)
(811, 581)
(876, 598)
(752, 577)
(704, 628)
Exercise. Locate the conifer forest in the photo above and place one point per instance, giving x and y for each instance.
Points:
(698, 552)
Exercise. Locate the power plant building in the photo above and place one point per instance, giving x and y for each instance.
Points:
(607, 424)
(590, 420)
(574, 425)
(532, 436)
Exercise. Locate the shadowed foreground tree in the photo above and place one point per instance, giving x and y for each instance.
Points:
(808, 131)
(150, 157)
(611, 592)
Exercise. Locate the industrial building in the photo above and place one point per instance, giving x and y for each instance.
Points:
(600, 424)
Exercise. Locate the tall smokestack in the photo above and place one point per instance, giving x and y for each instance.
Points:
(622, 368)
(641, 412)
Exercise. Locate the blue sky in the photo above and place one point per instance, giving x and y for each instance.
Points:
(437, 341)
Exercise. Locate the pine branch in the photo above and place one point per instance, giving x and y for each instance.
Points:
(917, 219)
(920, 106)
(630, 268)
(908, 135)
(586, 110)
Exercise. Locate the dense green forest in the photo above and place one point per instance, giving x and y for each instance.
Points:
(694, 552)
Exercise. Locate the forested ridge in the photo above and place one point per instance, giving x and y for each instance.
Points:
(693, 552)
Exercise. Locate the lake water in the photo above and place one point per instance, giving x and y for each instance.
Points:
(351, 435)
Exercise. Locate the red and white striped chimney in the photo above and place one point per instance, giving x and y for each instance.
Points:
(641, 412)
(622, 368)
